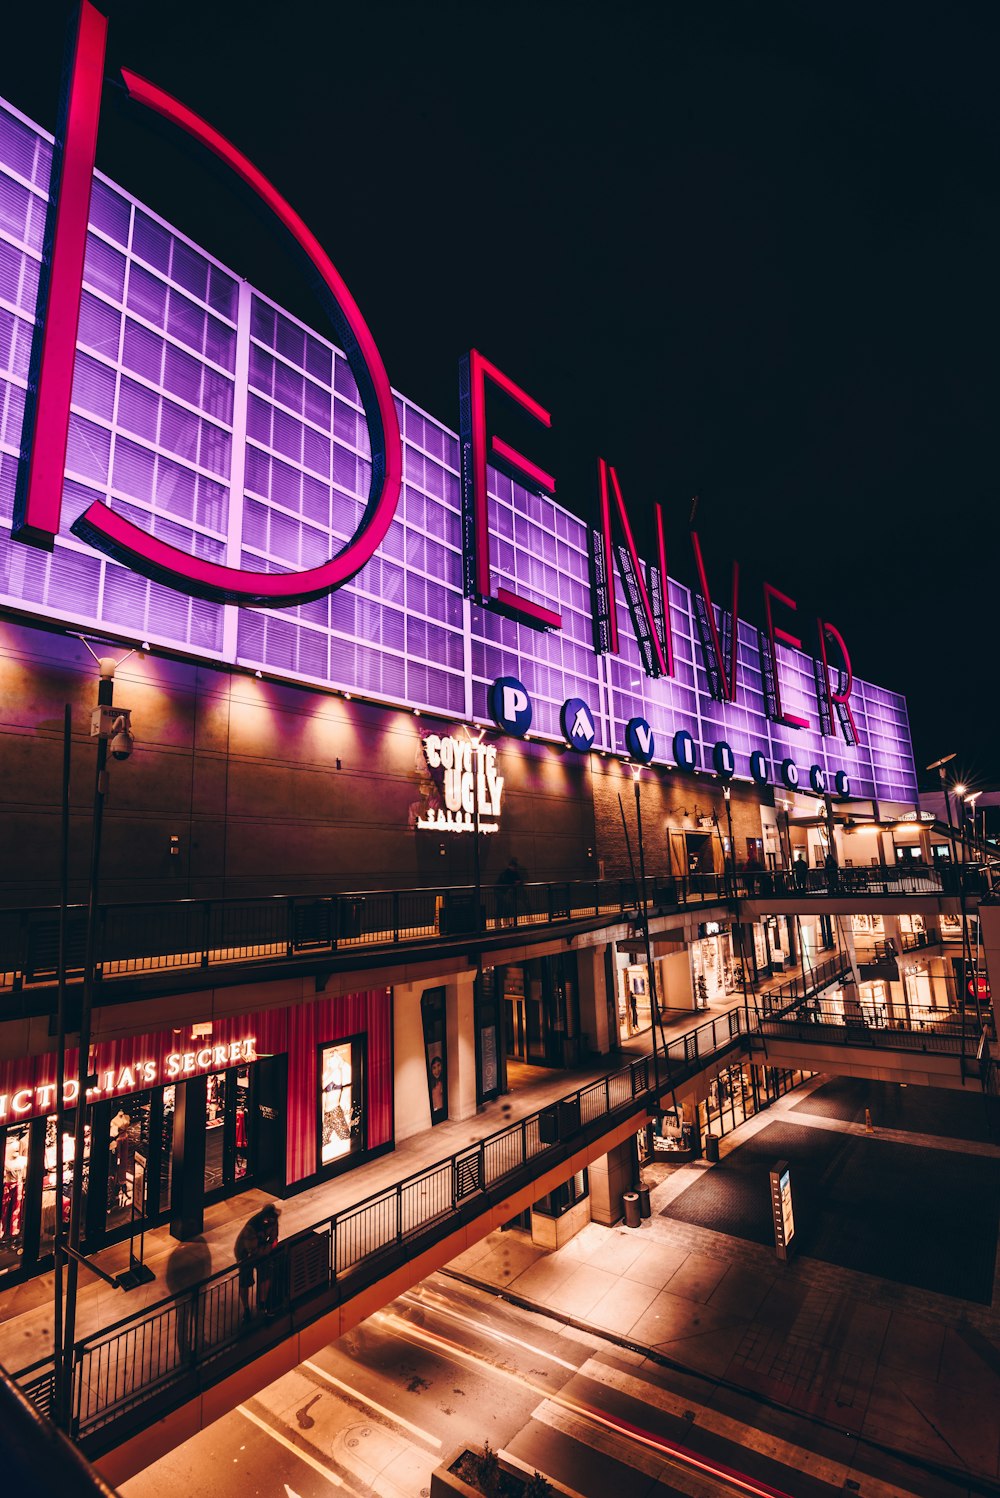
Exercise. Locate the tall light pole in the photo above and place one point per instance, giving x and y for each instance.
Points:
(112, 729)
(655, 1014)
(939, 766)
(727, 792)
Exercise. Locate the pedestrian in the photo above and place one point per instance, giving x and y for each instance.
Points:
(507, 887)
(253, 1249)
(800, 872)
(832, 872)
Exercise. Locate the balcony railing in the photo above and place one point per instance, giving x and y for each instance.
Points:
(157, 937)
(191, 934)
(160, 1353)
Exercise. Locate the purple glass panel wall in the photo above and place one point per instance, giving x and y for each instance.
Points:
(216, 420)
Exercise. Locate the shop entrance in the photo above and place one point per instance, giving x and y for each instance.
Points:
(516, 1011)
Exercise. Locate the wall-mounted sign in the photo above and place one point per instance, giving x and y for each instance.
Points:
(684, 752)
(790, 774)
(176, 1066)
(510, 706)
(466, 774)
(639, 740)
(723, 760)
(578, 726)
(781, 1208)
(760, 770)
(103, 523)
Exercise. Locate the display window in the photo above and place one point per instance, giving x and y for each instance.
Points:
(56, 1202)
(15, 1170)
(432, 1014)
(341, 1100)
(128, 1132)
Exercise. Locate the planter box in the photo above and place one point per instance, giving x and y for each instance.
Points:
(514, 1477)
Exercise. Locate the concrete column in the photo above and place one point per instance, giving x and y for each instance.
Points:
(609, 1177)
(593, 1000)
(460, 1019)
(411, 1100)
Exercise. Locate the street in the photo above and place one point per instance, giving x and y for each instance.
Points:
(447, 1366)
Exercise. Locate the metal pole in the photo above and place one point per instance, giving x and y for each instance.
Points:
(105, 696)
(727, 794)
(655, 1013)
(60, 1406)
(477, 870)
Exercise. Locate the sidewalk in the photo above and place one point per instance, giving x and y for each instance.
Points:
(26, 1318)
(915, 1370)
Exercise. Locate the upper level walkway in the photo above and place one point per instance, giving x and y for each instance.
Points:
(350, 1245)
(180, 945)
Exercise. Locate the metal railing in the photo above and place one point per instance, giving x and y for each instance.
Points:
(825, 1023)
(167, 1347)
(810, 980)
(153, 937)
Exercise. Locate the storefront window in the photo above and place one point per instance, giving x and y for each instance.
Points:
(129, 1131)
(215, 1131)
(50, 1196)
(15, 1170)
(576, 1189)
(241, 1157)
(432, 1014)
(167, 1146)
(341, 1088)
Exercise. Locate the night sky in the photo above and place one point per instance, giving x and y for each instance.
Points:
(745, 252)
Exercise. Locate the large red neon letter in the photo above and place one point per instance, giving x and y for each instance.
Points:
(655, 662)
(838, 700)
(474, 371)
(773, 635)
(727, 680)
(100, 525)
(38, 501)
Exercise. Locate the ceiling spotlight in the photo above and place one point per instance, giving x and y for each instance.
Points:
(416, 712)
(347, 696)
(145, 644)
(258, 675)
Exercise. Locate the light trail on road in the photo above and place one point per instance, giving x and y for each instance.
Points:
(670, 1450)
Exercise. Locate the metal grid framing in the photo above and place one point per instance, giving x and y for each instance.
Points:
(271, 474)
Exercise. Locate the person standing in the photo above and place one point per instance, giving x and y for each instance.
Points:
(253, 1249)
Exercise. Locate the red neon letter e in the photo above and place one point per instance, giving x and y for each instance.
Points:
(474, 371)
(774, 634)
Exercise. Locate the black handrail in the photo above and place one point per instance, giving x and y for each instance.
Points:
(156, 936)
(125, 1365)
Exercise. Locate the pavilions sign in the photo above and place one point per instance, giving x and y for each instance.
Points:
(38, 502)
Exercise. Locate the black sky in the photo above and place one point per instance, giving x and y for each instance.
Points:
(742, 251)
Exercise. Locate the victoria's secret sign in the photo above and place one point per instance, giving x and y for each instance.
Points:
(38, 502)
(176, 1066)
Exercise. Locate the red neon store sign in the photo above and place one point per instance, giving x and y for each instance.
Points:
(38, 502)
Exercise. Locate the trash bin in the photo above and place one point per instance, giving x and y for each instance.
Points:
(645, 1210)
(630, 1201)
(712, 1148)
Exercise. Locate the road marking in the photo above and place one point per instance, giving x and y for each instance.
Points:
(496, 1335)
(671, 1450)
(424, 1435)
(303, 1456)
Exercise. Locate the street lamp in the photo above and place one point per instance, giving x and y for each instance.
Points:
(939, 766)
(655, 1013)
(111, 726)
(727, 792)
(970, 800)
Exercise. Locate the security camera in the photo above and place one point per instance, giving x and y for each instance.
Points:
(122, 740)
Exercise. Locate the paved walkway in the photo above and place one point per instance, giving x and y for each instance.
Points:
(915, 1370)
(26, 1319)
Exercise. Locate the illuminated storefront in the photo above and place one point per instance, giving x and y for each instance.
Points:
(258, 1101)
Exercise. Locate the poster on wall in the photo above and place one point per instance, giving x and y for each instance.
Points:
(488, 1055)
(432, 1016)
(340, 1100)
